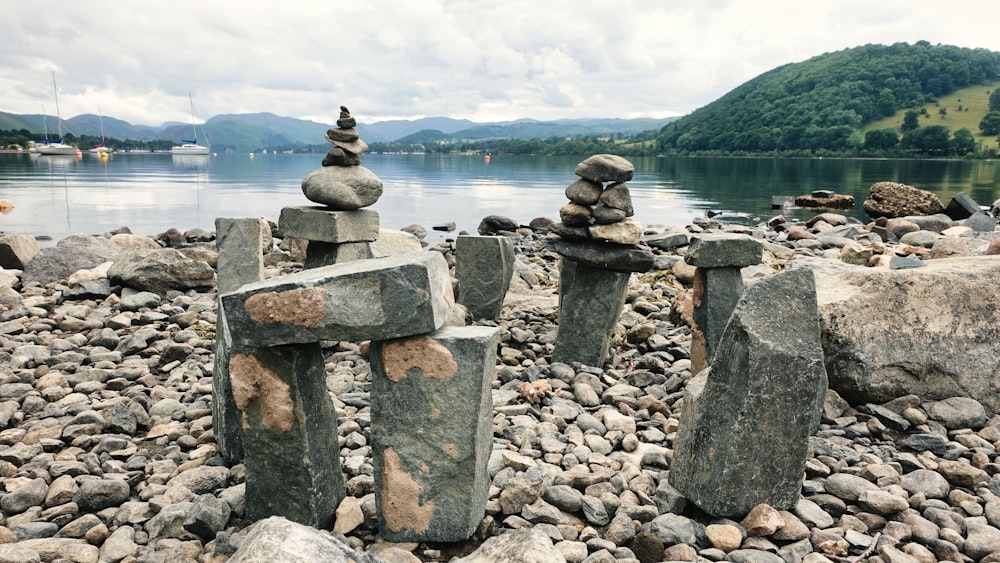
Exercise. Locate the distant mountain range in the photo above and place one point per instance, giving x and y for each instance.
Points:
(253, 131)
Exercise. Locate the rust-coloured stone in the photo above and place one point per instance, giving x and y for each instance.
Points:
(301, 307)
(401, 497)
(417, 356)
(252, 381)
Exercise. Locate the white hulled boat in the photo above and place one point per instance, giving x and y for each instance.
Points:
(58, 147)
(191, 147)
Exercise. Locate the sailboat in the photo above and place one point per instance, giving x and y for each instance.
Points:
(100, 148)
(189, 147)
(58, 147)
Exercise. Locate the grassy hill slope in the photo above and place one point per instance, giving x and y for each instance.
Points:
(821, 105)
(965, 108)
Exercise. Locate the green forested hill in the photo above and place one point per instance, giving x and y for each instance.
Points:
(822, 104)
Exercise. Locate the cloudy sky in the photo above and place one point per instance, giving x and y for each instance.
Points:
(481, 60)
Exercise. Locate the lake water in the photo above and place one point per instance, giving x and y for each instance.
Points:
(55, 197)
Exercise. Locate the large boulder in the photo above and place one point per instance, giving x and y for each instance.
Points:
(932, 331)
(892, 199)
(17, 250)
(277, 539)
(78, 252)
(160, 270)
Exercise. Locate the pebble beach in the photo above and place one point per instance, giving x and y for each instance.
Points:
(107, 450)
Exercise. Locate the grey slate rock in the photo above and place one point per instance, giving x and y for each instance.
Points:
(431, 432)
(239, 243)
(590, 302)
(584, 192)
(668, 240)
(208, 516)
(98, 494)
(609, 256)
(326, 225)
(484, 267)
(981, 222)
(962, 206)
(715, 250)
(361, 300)
(905, 263)
(289, 433)
(744, 429)
(24, 497)
(957, 412)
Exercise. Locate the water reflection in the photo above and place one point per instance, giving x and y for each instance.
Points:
(152, 192)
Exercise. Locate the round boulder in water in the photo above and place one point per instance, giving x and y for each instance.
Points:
(342, 188)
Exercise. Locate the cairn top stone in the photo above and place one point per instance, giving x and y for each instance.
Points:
(346, 136)
(719, 250)
(605, 168)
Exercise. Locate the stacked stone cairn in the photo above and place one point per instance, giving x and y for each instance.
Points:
(431, 405)
(598, 242)
(340, 229)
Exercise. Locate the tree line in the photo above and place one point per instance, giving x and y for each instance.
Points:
(23, 138)
(818, 107)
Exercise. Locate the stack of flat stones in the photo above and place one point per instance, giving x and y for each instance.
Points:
(597, 225)
(598, 242)
(339, 229)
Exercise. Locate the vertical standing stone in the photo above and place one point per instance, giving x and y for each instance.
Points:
(239, 243)
(431, 432)
(484, 267)
(718, 286)
(591, 300)
(746, 421)
(291, 452)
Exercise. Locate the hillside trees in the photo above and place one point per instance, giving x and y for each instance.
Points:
(990, 124)
(818, 105)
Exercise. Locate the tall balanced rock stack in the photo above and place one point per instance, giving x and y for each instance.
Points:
(340, 230)
(598, 212)
(597, 240)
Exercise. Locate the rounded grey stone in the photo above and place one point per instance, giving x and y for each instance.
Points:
(342, 187)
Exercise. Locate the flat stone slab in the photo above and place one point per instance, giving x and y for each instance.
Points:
(325, 225)
(614, 257)
(720, 250)
(362, 300)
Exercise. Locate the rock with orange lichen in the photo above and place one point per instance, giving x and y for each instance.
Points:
(361, 300)
(431, 408)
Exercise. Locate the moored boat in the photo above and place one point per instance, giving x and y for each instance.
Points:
(188, 147)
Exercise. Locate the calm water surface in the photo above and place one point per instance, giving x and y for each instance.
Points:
(150, 193)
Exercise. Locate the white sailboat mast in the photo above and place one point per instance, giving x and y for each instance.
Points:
(58, 115)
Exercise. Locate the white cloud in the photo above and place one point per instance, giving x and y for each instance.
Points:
(483, 60)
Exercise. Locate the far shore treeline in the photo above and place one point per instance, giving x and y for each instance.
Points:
(873, 101)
